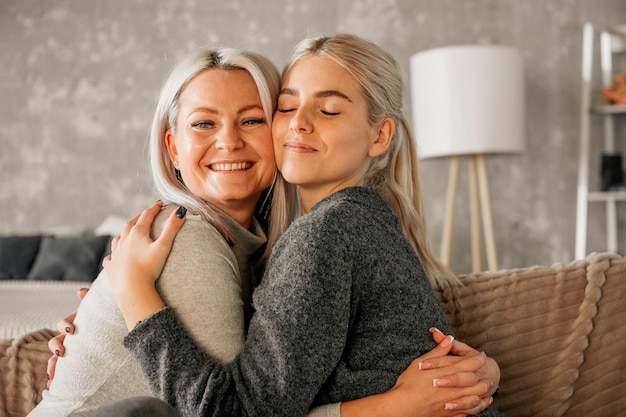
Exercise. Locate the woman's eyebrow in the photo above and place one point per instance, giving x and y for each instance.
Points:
(287, 91)
(333, 93)
(319, 94)
(204, 109)
(249, 107)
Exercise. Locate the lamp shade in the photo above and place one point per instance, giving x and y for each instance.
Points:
(468, 100)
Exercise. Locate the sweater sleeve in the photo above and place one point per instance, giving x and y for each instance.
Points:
(200, 282)
(295, 340)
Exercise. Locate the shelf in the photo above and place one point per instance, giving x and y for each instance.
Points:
(607, 195)
(609, 112)
(608, 109)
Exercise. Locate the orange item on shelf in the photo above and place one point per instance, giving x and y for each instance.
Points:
(617, 93)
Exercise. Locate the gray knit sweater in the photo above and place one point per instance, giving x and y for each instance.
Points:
(342, 310)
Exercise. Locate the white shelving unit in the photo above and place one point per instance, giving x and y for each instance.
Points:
(612, 41)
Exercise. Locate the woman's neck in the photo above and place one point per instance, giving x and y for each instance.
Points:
(242, 214)
(310, 196)
(244, 219)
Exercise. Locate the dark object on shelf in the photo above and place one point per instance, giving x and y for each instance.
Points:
(611, 171)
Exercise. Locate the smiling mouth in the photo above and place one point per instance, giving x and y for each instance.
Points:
(238, 166)
(298, 147)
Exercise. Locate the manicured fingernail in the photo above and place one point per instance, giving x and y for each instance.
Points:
(441, 382)
(447, 341)
(180, 213)
(434, 329)
(424, 365)
(56, 352)
(450, 406)
(67, 329)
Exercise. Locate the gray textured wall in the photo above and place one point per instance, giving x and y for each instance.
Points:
(79, 80)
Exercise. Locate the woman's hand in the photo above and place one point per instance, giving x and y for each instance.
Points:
(136, 261)
(419, 389)
(458, 387)
(64, 326)
(489, 371)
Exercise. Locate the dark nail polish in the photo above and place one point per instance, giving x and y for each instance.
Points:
(67, 329)
(180, 213)
(56, 352)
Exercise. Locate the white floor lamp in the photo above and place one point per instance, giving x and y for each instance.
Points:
(468, 101)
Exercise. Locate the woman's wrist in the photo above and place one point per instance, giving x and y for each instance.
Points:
(372, 406)
(137, 306)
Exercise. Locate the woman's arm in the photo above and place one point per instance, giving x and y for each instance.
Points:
(277, 373)
(138, 256)
(183, 375)
(152, 258)
(407, 404)
(201, 283)
(414, 394)
(464, 367)
(64, 326)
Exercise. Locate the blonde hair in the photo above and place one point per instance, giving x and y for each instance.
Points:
(267, 80)
(395, 173)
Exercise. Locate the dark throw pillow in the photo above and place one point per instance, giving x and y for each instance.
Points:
(17, 255)
(69, 258)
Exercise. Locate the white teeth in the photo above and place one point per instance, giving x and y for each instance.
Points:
(231, 167)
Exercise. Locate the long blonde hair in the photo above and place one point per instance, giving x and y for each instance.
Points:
(395, 173)
(267, 80)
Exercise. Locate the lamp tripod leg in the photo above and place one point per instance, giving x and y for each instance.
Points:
(446, 238)
(474, 214)
(485, 200)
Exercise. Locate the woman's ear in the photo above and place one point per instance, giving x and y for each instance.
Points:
(383, 139)
(170, 143)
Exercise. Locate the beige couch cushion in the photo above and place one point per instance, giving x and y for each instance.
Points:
(541, 324)
(601, 387)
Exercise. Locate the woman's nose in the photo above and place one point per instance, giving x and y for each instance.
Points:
(228, 139)
(301, 121)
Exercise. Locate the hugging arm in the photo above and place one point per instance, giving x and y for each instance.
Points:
(466, 376)
(201, 283)
(277, 373)
(189, 365)
(404, 398)
(64, 326)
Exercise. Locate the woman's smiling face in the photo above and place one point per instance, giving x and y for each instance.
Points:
(322, 136)
(222, 143)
